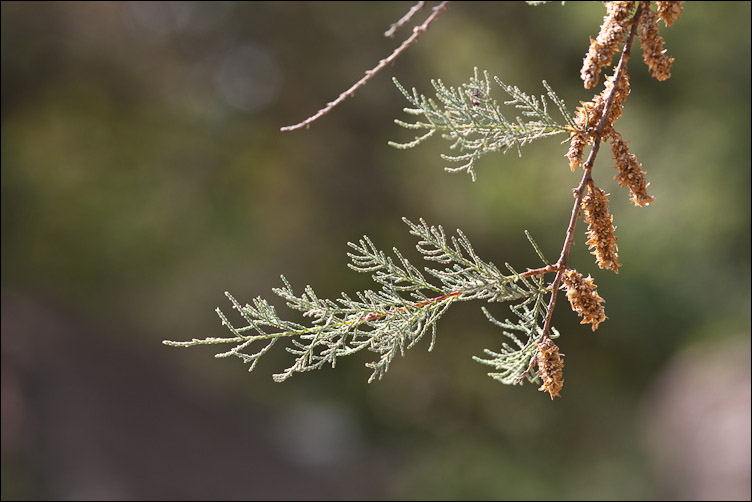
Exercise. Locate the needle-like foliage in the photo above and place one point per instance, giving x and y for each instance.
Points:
(471, 119)
(513, 361)
(387, 321)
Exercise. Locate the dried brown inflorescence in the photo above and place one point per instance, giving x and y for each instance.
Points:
(577, 143)
(550, 367)
(588, 115)
(583, 297)
(586, 118)
(601, 238)
(630, 174)
(617, 106)
(652, 42)
(602, 49)
(669, 11)
(613, 32)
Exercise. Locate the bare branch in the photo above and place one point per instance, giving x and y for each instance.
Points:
(417, 32)
(406, 18)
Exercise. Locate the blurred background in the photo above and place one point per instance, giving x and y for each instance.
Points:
(144, 174)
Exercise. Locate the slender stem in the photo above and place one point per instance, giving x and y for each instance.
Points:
(404, 19)
(371, 316)
(540, 271)
(417, 32)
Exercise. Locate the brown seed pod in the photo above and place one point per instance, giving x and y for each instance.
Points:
(583, 297)
(550, 367)
(601, 238)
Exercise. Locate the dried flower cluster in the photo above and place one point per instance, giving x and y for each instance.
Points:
(583, 297)
(581, 137)
(593, 123)
(614, 32)
(600, 54)
(550, 367)
(601, 238)
(630, 173)
(652, 42)
(602, 49)
(669, 11)
(588, 115)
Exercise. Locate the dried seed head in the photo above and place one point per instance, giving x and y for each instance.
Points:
(620, 95)
(602, 49)
(630, 174)
(588, 115)
(583, 297)
(601, 238)
(577, 143)
(669, 11)
(586, 119)
(550, 367)
(652, 42)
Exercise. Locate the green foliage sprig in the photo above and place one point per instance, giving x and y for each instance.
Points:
(472, 120)
(387, 321)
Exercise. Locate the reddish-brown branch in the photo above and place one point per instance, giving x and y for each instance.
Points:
(404, 19)
(373, 316)
(540, 271)
(417, 32)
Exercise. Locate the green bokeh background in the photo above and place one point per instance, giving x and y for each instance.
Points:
(144, 174)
